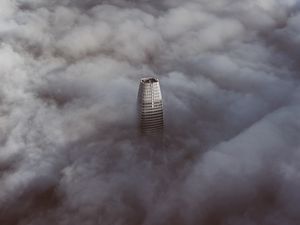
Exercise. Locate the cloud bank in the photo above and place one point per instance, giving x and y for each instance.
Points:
(69, 73)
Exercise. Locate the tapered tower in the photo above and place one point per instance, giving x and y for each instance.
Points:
(150, 107)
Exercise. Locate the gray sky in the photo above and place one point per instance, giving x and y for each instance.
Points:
(69, 76)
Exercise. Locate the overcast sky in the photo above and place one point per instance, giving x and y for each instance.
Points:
(70, 152)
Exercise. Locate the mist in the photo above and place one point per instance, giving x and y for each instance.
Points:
(70, 152)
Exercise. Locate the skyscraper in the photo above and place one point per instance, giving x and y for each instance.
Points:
(150, 106)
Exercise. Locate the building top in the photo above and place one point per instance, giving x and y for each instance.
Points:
(149, 80)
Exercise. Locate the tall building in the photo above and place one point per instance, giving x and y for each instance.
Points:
(150, 106)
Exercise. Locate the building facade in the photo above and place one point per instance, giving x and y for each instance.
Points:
(150, 106)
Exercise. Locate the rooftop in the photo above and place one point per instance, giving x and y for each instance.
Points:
(149, 80)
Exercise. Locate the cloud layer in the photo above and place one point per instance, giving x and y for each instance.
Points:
(69, 74)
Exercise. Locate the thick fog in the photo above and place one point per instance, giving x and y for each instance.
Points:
(70, 152)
